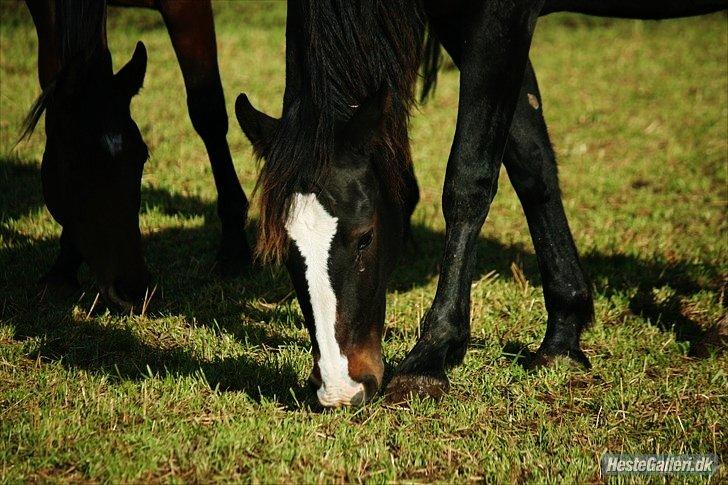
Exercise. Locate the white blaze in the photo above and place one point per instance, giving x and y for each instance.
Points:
(312, 229)
(112, 142)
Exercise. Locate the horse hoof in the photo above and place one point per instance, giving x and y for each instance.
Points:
(404, 387)
(543, 358)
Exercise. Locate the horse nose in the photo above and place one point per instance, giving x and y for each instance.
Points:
(349, 395)
(355, 394)
(127, 293)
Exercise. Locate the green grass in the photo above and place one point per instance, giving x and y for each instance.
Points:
(210, 383)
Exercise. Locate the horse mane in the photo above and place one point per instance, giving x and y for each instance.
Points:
(351, 51)
(80, 25)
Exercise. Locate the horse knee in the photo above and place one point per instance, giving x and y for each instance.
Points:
(468, 198)
(532, 188)
(532, 172)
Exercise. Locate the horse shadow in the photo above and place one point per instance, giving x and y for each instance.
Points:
(187, 287)
(611, 275)
(182, 260)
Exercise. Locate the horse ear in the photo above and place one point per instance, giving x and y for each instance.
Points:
(130, 78)
(257, 126)
(365, 122)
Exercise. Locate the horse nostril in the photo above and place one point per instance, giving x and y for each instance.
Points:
(359, 398)
(371, 385)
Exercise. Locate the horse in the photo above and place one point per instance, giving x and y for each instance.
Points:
(337, 186)
(92, 188)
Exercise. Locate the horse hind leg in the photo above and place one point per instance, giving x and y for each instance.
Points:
(192, 30)
(531, 165)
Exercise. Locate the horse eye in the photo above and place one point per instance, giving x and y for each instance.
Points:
(365, 240)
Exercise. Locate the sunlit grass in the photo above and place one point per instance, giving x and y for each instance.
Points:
(210, 383)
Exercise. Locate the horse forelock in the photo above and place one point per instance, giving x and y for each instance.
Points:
(351, 51)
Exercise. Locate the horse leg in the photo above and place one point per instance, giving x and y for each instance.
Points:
(43, 14)
(192, 30)
(531, 166)
(496, 37)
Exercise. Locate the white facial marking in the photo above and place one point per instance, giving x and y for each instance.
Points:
(533, 101)
(112, 143)
(312, 229)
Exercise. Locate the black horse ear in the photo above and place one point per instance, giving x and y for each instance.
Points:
(130, 78)
(365, 122)
(257, 126)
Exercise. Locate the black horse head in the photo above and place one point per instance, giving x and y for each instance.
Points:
(334, 186)
(341, 232)
(92, 167)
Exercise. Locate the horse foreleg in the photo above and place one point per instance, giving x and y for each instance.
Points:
(192, 30)
(531, 166)
(495, 41)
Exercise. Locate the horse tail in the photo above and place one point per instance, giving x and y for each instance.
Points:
(636, 9)
(431, 61)
(80, 25)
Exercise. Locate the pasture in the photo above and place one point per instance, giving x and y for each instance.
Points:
(209, 383)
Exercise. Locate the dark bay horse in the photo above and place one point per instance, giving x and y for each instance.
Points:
(93, 189)
(338, 189)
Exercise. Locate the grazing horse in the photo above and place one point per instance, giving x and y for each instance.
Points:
(337, 186)
(95, 194)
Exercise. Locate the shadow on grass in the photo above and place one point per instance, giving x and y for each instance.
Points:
(182, 260)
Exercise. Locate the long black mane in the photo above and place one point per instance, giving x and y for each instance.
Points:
(346, 52)
(80, 24)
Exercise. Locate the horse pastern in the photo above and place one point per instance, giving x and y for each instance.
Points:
(456, 353)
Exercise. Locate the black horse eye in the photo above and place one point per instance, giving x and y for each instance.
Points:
(365, 240)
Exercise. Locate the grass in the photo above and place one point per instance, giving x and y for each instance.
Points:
(210, 383)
